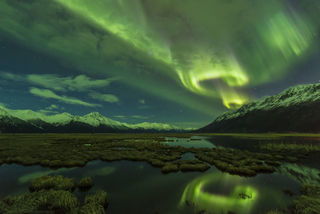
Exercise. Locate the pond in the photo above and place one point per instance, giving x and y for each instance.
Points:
(135, 187)
(194, 141)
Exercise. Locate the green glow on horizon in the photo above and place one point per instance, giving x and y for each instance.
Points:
(195, 194)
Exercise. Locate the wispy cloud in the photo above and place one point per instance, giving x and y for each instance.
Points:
(11, 76)
(142, 101)
(143, 105)
(136, 117)
(59, 83)
(121, 117)
(78, 83)
(48, 94)
(140, 117)
(109, 98)
(52, 109)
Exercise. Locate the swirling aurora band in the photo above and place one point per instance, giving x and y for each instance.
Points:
(283, 35)
(209, 48)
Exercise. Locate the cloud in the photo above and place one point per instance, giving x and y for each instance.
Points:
(143, 104)
(59, 83)
(10, 76)
(44, 111)
(77, 83)
(45, 93)
(135, 117)
(142, 101)
(140, 117)
(109, 98)
(121, 117)
(52, 109)
(142, 107)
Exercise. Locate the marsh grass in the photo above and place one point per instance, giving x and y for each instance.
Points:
(58, 200)
(281, 147)
(91, 208)
(100, 197)
(239, 162)
(47, 182)
(308, 202)
(275, 212)
(53, 198)
(85, 183)
(69, 150)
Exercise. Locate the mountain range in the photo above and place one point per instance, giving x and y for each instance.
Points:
(296, 109)
(28, 121)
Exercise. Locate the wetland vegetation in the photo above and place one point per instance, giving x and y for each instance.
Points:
(53, 194)
(67, 150)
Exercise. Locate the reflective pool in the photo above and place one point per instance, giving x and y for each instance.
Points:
(135, 187)
(194, 141)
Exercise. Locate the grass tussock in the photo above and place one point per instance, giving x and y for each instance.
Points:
(280, 147)
(47, 195)
(85, 183)
(100, 198)
(47, 182)
(308, 202)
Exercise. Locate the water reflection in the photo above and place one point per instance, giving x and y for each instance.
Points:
(137, 187)
(194, 141)
(223, 193)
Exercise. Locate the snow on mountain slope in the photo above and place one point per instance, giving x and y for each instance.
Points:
(59, 119)
(3, 112)
(292, 96)
(155, 126)
(93, 119)
(29, 115)
(96, 119)
(296, 109)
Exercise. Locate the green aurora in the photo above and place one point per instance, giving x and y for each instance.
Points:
(170, 48)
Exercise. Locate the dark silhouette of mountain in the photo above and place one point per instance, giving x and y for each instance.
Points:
(296, 109)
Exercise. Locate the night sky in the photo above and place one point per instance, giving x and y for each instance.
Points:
(181, 62)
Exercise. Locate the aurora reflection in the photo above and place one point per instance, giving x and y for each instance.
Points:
(195, 194)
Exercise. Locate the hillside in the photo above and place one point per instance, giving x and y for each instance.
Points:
(296, 109)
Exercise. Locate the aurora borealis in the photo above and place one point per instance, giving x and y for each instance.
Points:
(172, 61)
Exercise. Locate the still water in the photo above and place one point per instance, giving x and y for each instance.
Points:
(137, 187)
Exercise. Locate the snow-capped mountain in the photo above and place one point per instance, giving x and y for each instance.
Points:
(296, 109)
(155, 126)
(31, 121)
(96, 119)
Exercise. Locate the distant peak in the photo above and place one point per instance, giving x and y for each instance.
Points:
(3, 111)
(65, 114)
(94, 114)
